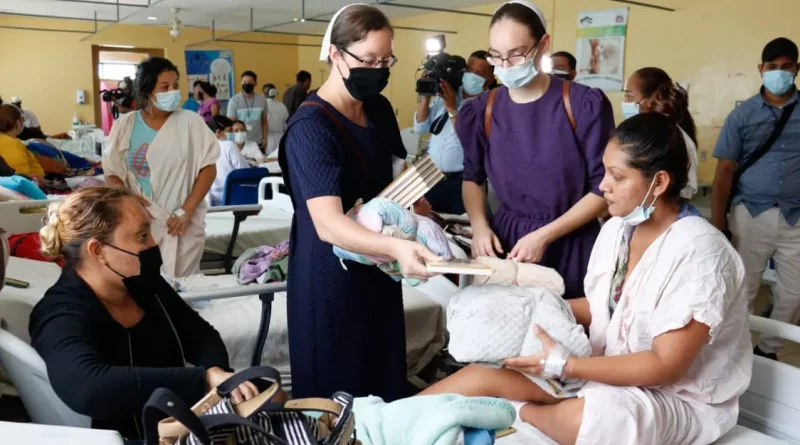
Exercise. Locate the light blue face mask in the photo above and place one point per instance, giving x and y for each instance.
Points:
(518, 76)
(169, 101)
(630, 109)
(640, 214)
(230, 136)
(778, 82)
(473, 83)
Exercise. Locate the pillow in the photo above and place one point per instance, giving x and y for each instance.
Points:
(11, 195)
(22, 185)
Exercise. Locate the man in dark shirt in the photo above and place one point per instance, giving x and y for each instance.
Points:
(297, 94)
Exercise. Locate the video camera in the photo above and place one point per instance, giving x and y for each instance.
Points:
(119, 98)
(438, 66)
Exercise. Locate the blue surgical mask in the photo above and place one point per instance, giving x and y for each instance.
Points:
(641, 214)
(169, 101)
(473, 83)
(240, 137)
(230, 136)
(630, 109)
(778, 82)
(517, 76)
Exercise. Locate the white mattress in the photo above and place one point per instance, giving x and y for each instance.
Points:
(237, 321)
(739, 435)
(268, 228)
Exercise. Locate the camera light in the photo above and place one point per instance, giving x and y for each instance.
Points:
(547, 63)
(435, 44)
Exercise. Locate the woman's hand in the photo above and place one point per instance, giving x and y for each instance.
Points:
(531, 248)
(409, 255)
(177, 225)
(485, 242)
(534, 364)
(246, 391)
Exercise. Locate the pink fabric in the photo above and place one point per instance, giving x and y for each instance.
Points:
(105, 112)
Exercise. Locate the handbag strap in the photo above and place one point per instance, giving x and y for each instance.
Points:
(255, 373)
(565, 99)
(762, 150)
(163, 401)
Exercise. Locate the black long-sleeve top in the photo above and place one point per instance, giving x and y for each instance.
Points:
(107, 372)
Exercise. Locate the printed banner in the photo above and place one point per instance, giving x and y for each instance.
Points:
(600, 48)
(213, 66)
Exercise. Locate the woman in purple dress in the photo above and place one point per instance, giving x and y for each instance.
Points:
(209, 105)
(540, 143)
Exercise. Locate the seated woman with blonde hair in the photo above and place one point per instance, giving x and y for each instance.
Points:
(111, 330)
(667, 320)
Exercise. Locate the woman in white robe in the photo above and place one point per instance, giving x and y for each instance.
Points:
(166, 156)
(667, 320)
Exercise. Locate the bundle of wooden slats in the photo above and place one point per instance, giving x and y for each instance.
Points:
(413, 183)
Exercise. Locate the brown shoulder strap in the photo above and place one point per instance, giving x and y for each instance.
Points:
(568, 105)
(342, 130)
(487, 114)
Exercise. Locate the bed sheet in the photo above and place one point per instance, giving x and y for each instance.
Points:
(237, 321)
(739, 435)
(268, 228)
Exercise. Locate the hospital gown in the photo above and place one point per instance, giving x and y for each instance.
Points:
(689, 272)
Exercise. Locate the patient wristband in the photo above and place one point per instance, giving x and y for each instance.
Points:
(553, 365)
(178, 213)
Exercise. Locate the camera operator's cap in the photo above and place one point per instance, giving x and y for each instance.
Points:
(529, 5)
(16, 100)
(326, 41)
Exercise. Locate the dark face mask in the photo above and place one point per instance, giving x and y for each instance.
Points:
(248, 88)
(150, 262)
(366, 83)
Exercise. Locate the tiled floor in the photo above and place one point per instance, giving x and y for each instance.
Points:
(790, 354)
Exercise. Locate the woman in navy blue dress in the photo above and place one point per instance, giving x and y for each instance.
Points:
(346, 326)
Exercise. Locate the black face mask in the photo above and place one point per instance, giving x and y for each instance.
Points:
(366, 83)
(248, 88)
(150, 262)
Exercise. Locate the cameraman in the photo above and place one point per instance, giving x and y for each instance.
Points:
(438, 116)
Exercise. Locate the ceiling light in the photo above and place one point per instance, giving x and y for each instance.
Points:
(302, 20)
(152, 18)
(296, 19)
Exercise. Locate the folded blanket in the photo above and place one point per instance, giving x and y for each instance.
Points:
(490, 323)
(428, 420)
(389, 218)
(520, 274)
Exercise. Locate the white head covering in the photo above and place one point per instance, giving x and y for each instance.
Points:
(326, 41)
(528, 5)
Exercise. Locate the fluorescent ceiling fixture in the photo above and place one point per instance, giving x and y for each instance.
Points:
(152, 18)
(119, 46)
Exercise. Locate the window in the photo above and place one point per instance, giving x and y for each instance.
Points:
(116, 71)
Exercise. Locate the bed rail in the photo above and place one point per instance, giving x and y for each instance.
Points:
(266, 293)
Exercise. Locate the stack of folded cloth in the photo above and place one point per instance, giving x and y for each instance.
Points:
(389, 218)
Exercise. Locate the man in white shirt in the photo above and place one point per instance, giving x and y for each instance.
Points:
(277, 117)
(250, 108)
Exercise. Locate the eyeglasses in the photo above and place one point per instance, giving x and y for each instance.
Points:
(513, 60)
(388, 63)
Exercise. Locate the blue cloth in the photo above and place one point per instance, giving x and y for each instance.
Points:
(430, 420)
(22, 185)
(141, 138)
(191, 105)
(775, 178)
(348, 328)
(444, 148)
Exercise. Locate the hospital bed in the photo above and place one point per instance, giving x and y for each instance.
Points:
(768, 411)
